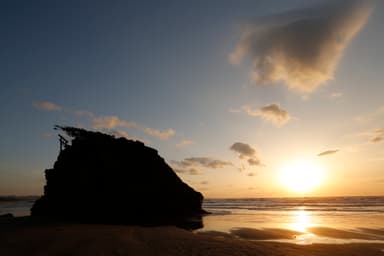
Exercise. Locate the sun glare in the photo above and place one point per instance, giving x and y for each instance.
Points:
(301, 176)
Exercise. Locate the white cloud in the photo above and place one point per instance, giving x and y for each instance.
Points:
(45, 105)
(272, 113)
(300, 48)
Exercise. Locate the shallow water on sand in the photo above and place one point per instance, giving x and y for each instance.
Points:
(313, 220)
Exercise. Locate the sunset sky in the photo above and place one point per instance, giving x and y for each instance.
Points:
(231, 93)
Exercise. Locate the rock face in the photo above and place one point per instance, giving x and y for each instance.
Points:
(100, 178)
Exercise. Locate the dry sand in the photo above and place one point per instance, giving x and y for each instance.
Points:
(26, 237)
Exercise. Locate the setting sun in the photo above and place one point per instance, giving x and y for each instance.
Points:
(301, 176)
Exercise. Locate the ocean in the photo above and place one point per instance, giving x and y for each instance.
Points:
(319, 219)
(316, 219)
(17, 205)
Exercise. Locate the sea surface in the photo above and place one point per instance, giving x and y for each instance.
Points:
(17, 205)
(317, 219)
(320, 219)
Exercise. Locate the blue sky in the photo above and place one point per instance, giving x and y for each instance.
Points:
(165, 66)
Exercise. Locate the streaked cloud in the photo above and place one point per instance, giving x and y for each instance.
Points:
(300, 48)
(111, 122)
(184, 143)
(195, 163)
(247, 152)
(190, 171)
(328, 152)
(47, 106)
(377, 139)
(207, 162)
(377, 135)
(162, 135)
(271, 113)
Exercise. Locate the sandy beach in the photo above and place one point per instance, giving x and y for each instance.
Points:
(21, 236)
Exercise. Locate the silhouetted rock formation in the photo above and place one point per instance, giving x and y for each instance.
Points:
(100, 178)
(6, 216)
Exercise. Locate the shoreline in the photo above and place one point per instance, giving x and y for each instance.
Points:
(26, 236)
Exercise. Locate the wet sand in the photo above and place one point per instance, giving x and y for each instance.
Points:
(26, 237)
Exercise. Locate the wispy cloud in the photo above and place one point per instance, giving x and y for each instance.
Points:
(300, 48)
(245, 151)
(190, 171)
(377, 139)
(328, 152)
(186, 165)
(377, 135)
(113, 121)
(184, 143)
(110, 122)
(47, 106)
(162, 135)
(207, 162)
(272, 113)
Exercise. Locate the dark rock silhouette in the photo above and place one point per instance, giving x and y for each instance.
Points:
(6, 216)
(100, 178)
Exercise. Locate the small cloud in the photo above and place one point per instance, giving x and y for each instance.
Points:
(110, 122)
(184, 143)
(377, 139)
(328, 152)
(252, 161)
(204, 182)
(162, 135)
(251, 174)
(376, 134)
(301, 48)
(47, 106)
(106, 122)
(272, 113)
(207, 162)
(245, 151)
(190, 171)
(193, 163)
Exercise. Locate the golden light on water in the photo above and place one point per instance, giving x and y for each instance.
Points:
(301, 176)
(301, 220)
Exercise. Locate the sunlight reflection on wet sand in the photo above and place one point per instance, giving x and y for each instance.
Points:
(299, 226)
